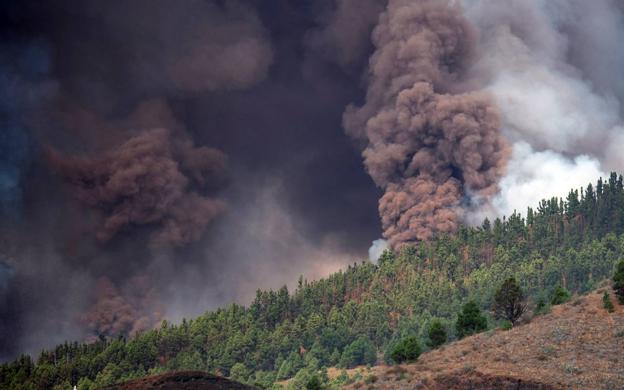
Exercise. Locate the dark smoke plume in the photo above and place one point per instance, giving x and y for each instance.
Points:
(263, 83)
(148, 180)
(344, 35)
(429, 145)
(122, 313)
(266, 83)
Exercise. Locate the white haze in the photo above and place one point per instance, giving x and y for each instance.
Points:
(376, 249)
(548, 65)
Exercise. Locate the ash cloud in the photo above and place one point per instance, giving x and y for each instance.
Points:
(122, 313)
(551, 68)
(108, 97)
(260, 236)
(430, 143)
(148, 180)
(130, 50)
(343, 36)
(126, 176)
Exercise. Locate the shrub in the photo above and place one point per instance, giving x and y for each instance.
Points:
(339, 381)
(470, 320)
(570, 368)
(437, 334)
(314, 383)
(468, 368)
(561, 295)
(549, 350)
(372, 378)
(406, 350)
(618, 282)
(606, 302)
(509, 301)
(541, 307)
(506, 325)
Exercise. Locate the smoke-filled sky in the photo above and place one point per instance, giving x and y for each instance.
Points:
(158, 158)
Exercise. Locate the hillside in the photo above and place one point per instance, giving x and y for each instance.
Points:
(577, 345)
(184, 380)
(356, 316)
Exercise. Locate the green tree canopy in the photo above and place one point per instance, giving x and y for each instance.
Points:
(436, 333)
(406, 350)
(509, 301)
(618, 281)
(470, 320)
(361, 351)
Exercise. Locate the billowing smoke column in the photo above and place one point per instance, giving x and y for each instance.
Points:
(149, 180)
(127, 191)
(433, 148)
(120, 173)
(552, 68)
(122, 313)
(112, 191)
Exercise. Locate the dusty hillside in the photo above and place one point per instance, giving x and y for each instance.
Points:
(578, 345)
(186, 380)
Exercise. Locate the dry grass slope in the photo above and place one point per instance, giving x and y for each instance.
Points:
(579, 345)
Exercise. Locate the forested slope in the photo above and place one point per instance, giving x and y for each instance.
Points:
(353, 316)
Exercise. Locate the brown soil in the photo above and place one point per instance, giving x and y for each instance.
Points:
(579, 345)
(182, 380)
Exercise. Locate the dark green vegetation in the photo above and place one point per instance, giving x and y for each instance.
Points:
(606, 302)
(361, 351)
(618, 282)
(509, 301)
(180, 380)
(540, 307)
(470, 320)
(406, 350)
(561, 295)
(350, 316)
(437, 334)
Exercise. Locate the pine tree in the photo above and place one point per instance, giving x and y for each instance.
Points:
(509, 302)
(470, 320)
(406, 350)
(437, 334)
(361, 351)
(618, 282)
(314, 383)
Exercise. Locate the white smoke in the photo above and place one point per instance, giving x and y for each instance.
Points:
(544, 62)
(376, 249)
(535, 175)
